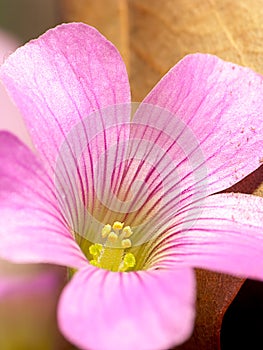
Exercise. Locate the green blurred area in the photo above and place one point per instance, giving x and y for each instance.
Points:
(27, 19)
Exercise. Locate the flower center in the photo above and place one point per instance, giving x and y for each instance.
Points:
(111, 255)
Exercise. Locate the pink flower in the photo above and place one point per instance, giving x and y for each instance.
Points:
(140, 196)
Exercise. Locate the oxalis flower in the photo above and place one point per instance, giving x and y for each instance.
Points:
(130, 206)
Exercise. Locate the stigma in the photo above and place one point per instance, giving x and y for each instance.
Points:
(112, 255)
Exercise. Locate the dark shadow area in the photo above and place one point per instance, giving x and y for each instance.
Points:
(242, 326)
(250, 184)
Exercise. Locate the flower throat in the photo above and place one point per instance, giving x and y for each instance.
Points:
(111, 255)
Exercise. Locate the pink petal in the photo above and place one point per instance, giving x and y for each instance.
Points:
(10, 118)
(165, 171)
(31, 226)
(222, 104)
(226, 237)
(89, 167)
(146, 310)
(61, 78)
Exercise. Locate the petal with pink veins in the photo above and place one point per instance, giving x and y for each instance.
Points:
(89, 168)
(226, 236)
(222, 104)
(106, 310)
(61, 78)
(31, 226)
(165, 171)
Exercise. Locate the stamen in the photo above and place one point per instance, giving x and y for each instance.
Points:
(117, 225)
(111, 255)
(112, 237)
(106, 230)
(95, 249)
(128, 262)
(126, 243)
(127, 231)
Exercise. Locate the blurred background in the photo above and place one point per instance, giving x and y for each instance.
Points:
(28, 293)
(27, 19)
(152, 35)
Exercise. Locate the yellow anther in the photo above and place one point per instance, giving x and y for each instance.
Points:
(126, 243)
(105, 230)
(117, 225)
(94, 263)
(129, 260)
(127, 232)
(112, 237)
(111, 254)
(95, 249)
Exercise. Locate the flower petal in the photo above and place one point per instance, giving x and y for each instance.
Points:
(31, 227)
(147, 309)
(62, 77)
(226, 237)
(84, 173)
(165, 172)
(10, 117)
(222, 104)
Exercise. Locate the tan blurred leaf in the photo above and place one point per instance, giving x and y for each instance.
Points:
(162, 32)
